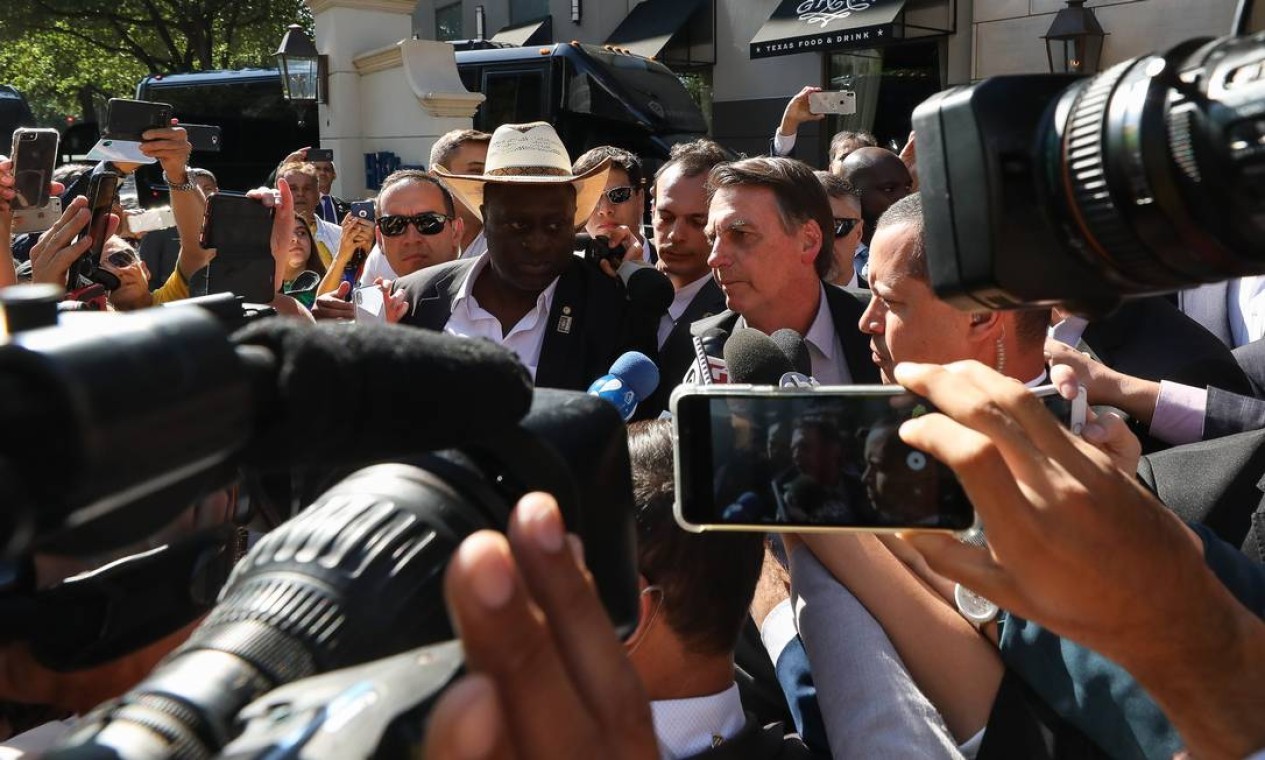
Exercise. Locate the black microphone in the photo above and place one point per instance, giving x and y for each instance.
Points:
(98, 471)
(648, 288)
(754, 359)
(795, 348)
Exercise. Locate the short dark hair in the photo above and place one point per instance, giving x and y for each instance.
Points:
(450, 142)
(1030, 324)
(194, 172)
(618, 157)
(908, 212)
(846, 141)
(403, 176)
(800, 197)
(834, 185)
(694, 158)
(708, 579)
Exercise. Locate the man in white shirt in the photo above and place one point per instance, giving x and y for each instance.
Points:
(769, 223)
(797, 112)
(566, 319)
(695, 591)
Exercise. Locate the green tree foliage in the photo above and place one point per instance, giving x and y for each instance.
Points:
(69, 56)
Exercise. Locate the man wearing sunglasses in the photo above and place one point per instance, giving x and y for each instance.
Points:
(845, 208)
(623, 200)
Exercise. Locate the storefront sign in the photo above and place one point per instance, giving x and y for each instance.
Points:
(800, 26)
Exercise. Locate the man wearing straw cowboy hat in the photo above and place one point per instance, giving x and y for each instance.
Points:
(566, 319)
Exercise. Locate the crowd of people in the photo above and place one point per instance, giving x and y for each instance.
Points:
(1124, 564)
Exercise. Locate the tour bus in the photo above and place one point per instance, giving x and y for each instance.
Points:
(592, 95)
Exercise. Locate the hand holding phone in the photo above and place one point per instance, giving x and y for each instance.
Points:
(239, 228)
(370, 304)
(320, 154)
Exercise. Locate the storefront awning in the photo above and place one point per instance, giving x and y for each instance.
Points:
(805, 26)
(539, 32)
(651, 24)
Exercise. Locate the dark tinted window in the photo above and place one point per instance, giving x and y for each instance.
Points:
(647, 85)
(513, 97)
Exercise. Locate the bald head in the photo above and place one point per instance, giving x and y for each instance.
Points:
(880, 178)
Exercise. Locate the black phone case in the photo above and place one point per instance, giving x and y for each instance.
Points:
(320, 154)
(129, 119)
(203, 137)
(34, 158)
(101, 191)
(362, 210)
(240, 230)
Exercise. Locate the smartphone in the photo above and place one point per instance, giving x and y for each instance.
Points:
(34, 158)
(37, 219)
(754, 458)
(370, 304)
(151, 219)
(102, 187)
(833, 101)
(320, 154)
(240, 231)
(362, 210)
(203, 137)
(129, 119)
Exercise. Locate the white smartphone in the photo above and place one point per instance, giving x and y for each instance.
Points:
(841, 102)
(151, 219)
(370, 304)
(829, 458)
(37, 219)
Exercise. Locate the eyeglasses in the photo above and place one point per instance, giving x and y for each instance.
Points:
(122, 259)
(844, 227)
(618, 195)
(427, 224)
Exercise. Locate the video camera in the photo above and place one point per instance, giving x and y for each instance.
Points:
(353, 578)
(1146, 178)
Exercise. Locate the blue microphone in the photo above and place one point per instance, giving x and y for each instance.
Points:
(631, 379)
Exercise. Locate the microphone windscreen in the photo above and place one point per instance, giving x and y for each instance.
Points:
(753, 358)
(365, 392)
(648, 288)
(638, 372)
(795, 349)
(714, 342)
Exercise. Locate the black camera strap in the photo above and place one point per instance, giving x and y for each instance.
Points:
(95, 617)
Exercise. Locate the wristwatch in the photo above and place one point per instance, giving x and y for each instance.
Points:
(975, 608)
(183, 187)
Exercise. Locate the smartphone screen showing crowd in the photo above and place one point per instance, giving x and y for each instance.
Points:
(34, 158)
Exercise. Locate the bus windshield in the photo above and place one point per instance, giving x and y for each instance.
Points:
(648, 85)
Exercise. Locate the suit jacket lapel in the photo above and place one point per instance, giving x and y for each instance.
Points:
(434, 307)
(561, 355)
(707, 302)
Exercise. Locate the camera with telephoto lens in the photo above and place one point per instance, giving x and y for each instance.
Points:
(355, 577)
(1147, 178)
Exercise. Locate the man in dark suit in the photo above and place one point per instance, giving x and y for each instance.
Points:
(770, 223)
(329, 208)
(680, 216)
(566, 319)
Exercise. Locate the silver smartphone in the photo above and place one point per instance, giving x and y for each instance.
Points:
(758, 458)
(841, 102)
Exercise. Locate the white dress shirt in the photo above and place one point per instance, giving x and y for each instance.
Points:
(329, 234)
(1069, 330)
(686, 727)
(830, 367)
(471, 320)
(1245, 309)
(476, 247)
(680, 302)
(783, 144)
(376, 265)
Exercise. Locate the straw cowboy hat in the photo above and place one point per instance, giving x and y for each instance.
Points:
(528, 154)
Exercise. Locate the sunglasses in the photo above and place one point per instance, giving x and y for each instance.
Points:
(618, 195)
(844, 227)
(122, 259)
(429, 223)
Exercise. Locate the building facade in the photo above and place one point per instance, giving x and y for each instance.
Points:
(742, 59)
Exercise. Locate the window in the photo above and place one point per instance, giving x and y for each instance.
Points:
(522, 11)
(448, 22)
(513, 97)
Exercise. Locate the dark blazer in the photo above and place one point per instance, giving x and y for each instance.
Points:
(341, 207)
(756, 742)
(677, 354)
(1218, 483)
(589, 322)
(846, 307)
(1206, 305)
(1251, 359)
(1152, 339)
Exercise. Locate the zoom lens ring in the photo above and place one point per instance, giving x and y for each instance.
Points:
(171, 720)
(1085, 161)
